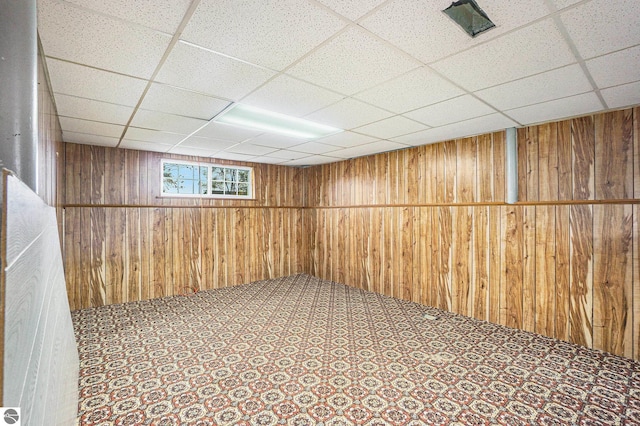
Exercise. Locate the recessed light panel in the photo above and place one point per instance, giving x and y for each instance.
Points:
(469, 16)
(273, 122)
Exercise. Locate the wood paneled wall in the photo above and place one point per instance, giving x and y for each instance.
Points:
(123, 242)
(429, 224)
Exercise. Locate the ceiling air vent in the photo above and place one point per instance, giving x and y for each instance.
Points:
(469, 16)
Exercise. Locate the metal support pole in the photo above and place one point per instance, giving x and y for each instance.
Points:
(512, 166)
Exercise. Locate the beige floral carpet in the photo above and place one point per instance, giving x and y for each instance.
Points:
(302, 351)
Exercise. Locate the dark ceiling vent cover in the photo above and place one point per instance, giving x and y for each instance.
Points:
(469, 16)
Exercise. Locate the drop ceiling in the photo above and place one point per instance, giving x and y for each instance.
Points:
(151, 75)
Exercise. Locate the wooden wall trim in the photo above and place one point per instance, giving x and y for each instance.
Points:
(153, 206)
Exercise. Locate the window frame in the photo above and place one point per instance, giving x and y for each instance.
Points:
(210, 167)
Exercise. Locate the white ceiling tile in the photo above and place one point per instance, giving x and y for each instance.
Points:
(616, 68)
(346, 139)
(90, 127)
(226, 132)
(270, 33)
(418, 88)
(352, 62)
(420, 28)
(86, 139)
(187, 150)
(352, 9)
(602, 26)
(88, 109)
(85, 82)
(285, 155)
(348, 113)
(197, 69)
(559, 83)
(250, 149)
(207, 143)
(146, 135)
(474, 126)
(276, 141)
(173, 100)
(390, 127)
(561, 4)
(225, 155)
(161, 15)
(530, 50)
(93, 39)
(315, 148)
(166, 122)
(451, 111)
(557, 109)
(291, 96)
(368, 149)
(268, 160)
(144, 145)
(622, 96)
(312, 160)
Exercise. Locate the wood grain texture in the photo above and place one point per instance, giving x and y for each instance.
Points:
(426, 224)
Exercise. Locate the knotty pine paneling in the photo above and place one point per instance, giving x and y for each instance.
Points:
(123, 242)
(563, 262)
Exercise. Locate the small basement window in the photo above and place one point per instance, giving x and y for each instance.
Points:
(186, 179)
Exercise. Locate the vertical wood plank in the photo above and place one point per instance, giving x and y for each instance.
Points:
(613, 279)
(614, 155)
(548, 161)
(512, 306)
(97, 276)
(485, 168)
(581, 314)
(499, 165)
(495, 263)
(563, 272)
(462, 261)
(444, 278)
(132, 254)
(583, 146)
(481, 259)
(466, 170)
(529, 268)
(565, 172)
(545, 264)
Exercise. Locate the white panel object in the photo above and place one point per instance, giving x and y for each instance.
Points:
(351, 62)
(527, 51)
(390, 127)
(602, 26)
(617, 68)
(89, 109)
(172, 100)
(289, 95)
(511, 165)
(348, 113)
(268, 33)
(201, 70)
(85, 82)
(556, 109)
(161, 15)
(40, 359)
(97, 40)
(415, 89)
(451, 111)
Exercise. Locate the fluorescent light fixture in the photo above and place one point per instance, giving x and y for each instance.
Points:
(469, 16)
(273, 122)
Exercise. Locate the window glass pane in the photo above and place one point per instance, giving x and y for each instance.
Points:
(217, 173)
(169, 186)
(230, 175)
(243, 189)
(230, 188)
(243, 175)
(188, 171)
(217, 187)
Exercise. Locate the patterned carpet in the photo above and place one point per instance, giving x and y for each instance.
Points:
(301, 351)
